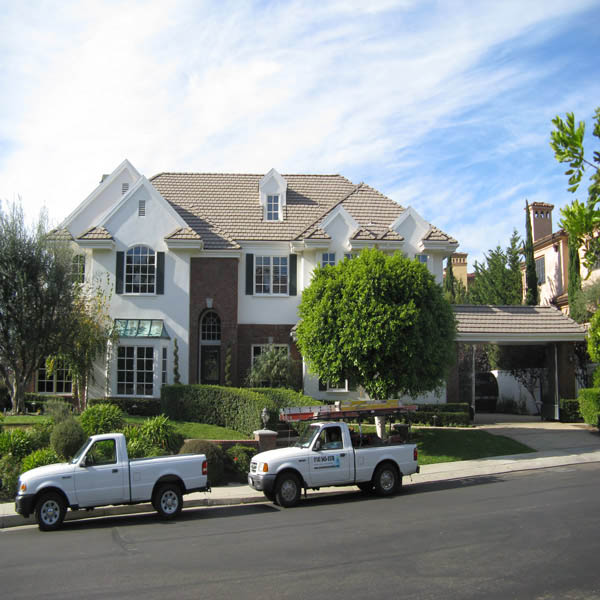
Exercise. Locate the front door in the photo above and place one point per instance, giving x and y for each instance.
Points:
(210, 365)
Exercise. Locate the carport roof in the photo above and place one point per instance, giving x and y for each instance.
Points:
(515, 325)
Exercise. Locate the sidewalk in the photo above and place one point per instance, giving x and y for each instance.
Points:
(557, 444)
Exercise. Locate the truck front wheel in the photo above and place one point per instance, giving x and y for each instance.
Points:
(168, 501)
(50, 511)
(288, 490)
(387, 480)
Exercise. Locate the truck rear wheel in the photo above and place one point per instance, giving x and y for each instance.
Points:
(387, 480)
(50, 511)
(168, 501)
(288, 490)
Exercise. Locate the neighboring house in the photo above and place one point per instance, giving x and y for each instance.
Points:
(218, 262)
(551, 254)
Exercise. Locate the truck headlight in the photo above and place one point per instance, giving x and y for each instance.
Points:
(263, 467)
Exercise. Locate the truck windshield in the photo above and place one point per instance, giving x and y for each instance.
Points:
(306, 438)
(80, 451)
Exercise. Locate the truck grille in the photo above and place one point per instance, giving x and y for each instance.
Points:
(252, 467)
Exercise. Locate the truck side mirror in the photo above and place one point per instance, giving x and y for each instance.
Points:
(317, 446)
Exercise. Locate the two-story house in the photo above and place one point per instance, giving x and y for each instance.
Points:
(218, 262)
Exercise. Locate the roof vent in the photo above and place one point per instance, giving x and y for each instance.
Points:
(124, 188)
(142, 208)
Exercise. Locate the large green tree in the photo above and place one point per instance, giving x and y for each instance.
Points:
(454, 289)
(581, 220)
(36, 299)
(498, 279)
(378, 321)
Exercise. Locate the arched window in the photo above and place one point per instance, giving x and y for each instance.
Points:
(140, 270)
(210, 327)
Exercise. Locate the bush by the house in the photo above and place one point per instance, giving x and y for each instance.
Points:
(283, 397)
(67, 437)
(161, 433)
(214, 456)
(235, 408)
(589, 405)
(15, 442)
(39, 458)
(237, 462)
(441, 415)
(58, 410)
(102, 418)
(10, 469)
(569, 411)
(39, 434)
(141, 407)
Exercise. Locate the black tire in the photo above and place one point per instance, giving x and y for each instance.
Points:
(50, 511)
(366, 487)
(168, 501)
(270, 496)
(387, 481)
(288, 490)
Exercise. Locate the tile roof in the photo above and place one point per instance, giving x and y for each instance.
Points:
(515, 323)
(60, 235)
(224, 208)
(95, 233)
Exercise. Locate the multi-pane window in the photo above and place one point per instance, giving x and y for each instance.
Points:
(135, 370)
(271, 275)
(350, 255)
(78, 268)
(540, 269)
(272, 208)
(328, 259)
(210, 329)
(140, 270)
(258, 349)
(59, 382)
(422, 258)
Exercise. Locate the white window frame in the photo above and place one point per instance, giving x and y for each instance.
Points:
(147, 269)
(136, 348)
(60, 378)
(328, 259)
(265, 265)
(273, 208)
(78, 268)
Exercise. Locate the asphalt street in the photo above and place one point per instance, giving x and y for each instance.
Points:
(529, 534)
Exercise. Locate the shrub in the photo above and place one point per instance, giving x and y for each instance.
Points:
(58, 409)
(569, 411)
(39, 435)
(143, 407)
(10, 469)
(234, 408)
(15, 442)
(159, 432)
(237, 461)
(39, 458)
(275, 368)
(283, 397)
(67, 437)
(589, 405)
(214, 455)
(101, 418)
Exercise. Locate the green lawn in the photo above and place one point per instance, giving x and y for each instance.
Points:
(448, 445)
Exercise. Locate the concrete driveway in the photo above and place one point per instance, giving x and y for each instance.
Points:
(540, 435)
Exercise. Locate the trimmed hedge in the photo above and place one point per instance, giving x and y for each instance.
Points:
(235, 408)
(589, 405)
(283, 397)
(441, 415)
(215, 457)
(569, 411)
(142, 407)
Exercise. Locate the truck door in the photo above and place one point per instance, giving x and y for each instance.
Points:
(101, 480)
(330, 462)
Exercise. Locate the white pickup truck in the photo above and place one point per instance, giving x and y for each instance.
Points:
(327, 454)
(101, 474)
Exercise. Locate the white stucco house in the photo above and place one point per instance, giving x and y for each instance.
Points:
(218, 262)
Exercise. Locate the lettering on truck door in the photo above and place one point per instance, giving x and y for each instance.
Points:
(100, 479)
(330, 462)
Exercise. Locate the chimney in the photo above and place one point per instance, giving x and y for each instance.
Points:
(541, 219)
(459, 266)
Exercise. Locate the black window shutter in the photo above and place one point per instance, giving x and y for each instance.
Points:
(249, 274)
(119, 272)
(160, 272)
(293, 274)
(322, 386)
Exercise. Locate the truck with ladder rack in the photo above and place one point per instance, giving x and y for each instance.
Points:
(328, 453)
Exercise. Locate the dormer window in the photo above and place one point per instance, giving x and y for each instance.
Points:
(272, 208)
(272, 191)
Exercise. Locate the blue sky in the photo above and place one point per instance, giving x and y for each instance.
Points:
(444, 106)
